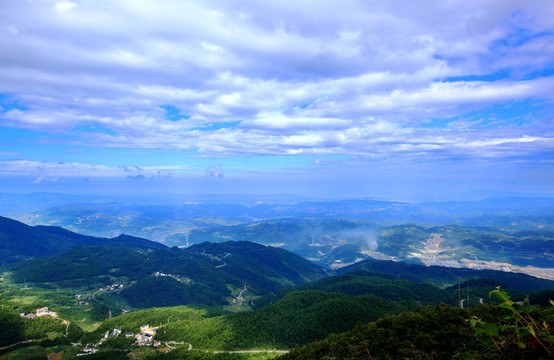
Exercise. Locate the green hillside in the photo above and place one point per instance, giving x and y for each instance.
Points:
(298, 318)
(388, 287)
(202, 274)
(444, 276)
(15, 329)
(443, 332)
(82, 264)
(363, 282)
(288, 318)
(19, 241)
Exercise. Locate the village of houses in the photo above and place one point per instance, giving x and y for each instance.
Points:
(43, 311)
(144, 338)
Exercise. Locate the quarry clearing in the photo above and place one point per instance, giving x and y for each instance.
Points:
(434, 253)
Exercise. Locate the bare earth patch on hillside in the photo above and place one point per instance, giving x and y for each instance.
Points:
(434, 253)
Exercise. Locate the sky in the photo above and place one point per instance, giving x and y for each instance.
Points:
(405, 100)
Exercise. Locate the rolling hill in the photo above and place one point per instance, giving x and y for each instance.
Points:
(420, 290)
(206, 273)
(20, 242)
(362, 282)
(311, 312)
(298, 318)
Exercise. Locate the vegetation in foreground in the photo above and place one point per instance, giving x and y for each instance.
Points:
(503, 330)
(488, 331)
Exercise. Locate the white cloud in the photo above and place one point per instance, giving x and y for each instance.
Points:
(353, 77)
(63, 6)
(52, 171)
(278, 121)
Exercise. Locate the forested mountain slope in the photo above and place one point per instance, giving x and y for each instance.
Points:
(19, 241)
(205, 273)
(298, 318)
(443, 332)
(444, 276)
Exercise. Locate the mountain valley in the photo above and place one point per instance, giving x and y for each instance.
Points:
(299, 284)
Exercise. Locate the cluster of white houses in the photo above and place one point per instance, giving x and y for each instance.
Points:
(43, 311)
(144, 338)
(176, 277)
(112, 287)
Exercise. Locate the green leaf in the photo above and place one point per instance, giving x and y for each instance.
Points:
(502, 295)
(531, 330)
(479, 331)
(491, 329)
(505, 327)
(506, 305)
(521, 345)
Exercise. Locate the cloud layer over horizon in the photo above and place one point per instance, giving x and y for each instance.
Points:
(292, 89)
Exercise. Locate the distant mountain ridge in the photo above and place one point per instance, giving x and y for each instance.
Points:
(19, 241)
(99, 218)
(440, 275)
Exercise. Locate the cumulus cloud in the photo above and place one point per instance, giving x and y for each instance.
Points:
(364, 79)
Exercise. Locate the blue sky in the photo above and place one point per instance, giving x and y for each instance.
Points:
(394, 99)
